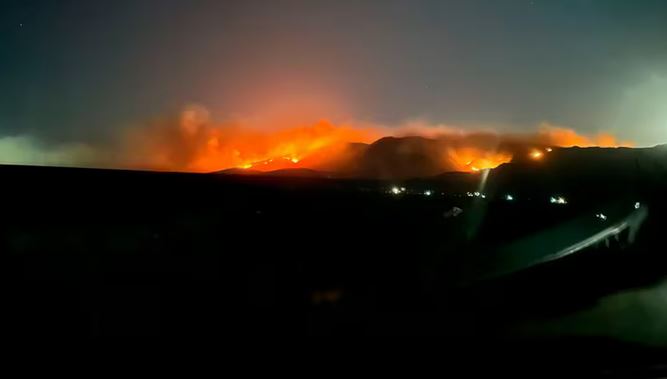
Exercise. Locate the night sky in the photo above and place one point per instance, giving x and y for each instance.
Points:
(77, 71)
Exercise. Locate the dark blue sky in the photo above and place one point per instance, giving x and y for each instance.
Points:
(79, 70)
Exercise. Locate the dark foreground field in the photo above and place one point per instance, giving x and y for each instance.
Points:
(99, 252)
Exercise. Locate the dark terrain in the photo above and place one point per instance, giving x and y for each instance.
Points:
(109, 252)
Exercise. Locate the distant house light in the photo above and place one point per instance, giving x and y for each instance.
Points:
(557, 200)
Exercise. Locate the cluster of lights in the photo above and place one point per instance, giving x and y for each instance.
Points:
(509, 197)
(476, 194)
(397, 190)
(557, 200)
(601, 216)
(400, 190)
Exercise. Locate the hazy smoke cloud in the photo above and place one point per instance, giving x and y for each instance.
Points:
(193, 141)
(28, 151)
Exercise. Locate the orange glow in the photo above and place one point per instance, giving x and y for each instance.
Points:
(536, 155)
(193, 142)
(302, 147)
(472, 159)
(564, 137)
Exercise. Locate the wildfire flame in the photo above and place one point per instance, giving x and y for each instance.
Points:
(195, 143)
(536, 154)
(563, 137)
(472, 159)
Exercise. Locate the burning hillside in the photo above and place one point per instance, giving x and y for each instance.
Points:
(195, 143)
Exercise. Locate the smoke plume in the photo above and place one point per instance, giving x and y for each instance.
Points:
(193, 142)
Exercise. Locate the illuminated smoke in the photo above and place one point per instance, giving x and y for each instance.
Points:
(564, 137)
(194, 142)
